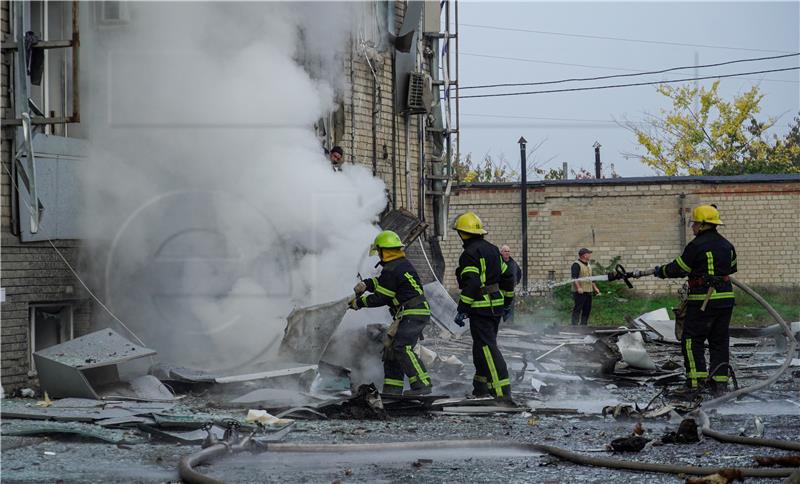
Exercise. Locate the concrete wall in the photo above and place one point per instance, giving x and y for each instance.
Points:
(639, 219)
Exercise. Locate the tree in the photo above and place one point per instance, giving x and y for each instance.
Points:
(489, 171)
(704, 134)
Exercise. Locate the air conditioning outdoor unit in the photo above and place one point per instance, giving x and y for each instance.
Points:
(420, 93)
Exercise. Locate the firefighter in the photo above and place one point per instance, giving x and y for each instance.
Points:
(398, 287)
(487, 293)
(707, 260)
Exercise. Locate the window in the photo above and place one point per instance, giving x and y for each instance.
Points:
(50, 324)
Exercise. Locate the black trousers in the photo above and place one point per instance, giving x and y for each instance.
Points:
(491, 372)
(713, 325)
(400, 361)
(582, 308)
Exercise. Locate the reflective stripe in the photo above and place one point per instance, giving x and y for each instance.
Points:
(483, 272)
(710, 257)
(382, 290)
(466, 299)
(364, 299)
(495, 383)
(507, 293)
(716, 295)
(692, 373)
(720, 378)
(682, 264)
(503, 266)
(393, 383)
(423, 377)
(470, 269)
(414, 312)
(412, 379)
(480, 379)
(489, 303)
(413, 282)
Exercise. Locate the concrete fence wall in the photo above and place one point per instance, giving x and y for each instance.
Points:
(639, 220)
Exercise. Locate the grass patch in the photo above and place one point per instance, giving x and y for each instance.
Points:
(617, 302)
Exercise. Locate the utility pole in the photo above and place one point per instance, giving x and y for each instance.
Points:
(523, 186)
(598, 167)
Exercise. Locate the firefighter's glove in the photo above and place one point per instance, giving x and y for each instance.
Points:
(360, 288)
(460, 317)
(659, 272)
(353, 304)
(506, 311)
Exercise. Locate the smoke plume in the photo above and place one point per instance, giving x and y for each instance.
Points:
(211, 208)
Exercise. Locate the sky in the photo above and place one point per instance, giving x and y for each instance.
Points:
(569, 123)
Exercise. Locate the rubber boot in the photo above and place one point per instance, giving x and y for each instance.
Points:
(418, 389)
(506, 400)
(392, 390)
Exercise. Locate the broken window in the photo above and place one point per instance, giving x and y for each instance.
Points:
(50, 324)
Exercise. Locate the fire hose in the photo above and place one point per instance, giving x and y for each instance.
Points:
(188, 474)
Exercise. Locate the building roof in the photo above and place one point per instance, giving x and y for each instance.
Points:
(648, 180)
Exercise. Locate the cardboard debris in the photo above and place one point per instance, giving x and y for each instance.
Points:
(265, 419)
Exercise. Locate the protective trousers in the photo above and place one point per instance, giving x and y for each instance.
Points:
(491, 373)
(399, 359)
(712, 325)
(582, 308)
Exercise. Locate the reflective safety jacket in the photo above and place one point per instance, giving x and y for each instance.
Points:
(485, 280)
(399, 287)
(707, 260)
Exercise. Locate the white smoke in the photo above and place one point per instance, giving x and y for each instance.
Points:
(210, 205)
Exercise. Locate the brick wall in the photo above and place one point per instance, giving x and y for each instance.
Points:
(639, 221)
(33, 272)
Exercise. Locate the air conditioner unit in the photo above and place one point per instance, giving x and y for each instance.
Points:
(420, 93)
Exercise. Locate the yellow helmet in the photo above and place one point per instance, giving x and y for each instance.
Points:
(386, 240)
(470, 223)
(706, 214)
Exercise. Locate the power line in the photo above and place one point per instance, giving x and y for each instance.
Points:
(621, 39)
(612, 86)
(645, 73)
(538, 61)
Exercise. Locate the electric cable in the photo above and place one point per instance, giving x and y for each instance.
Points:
(634, 84)
(634, 74)
(620, 39)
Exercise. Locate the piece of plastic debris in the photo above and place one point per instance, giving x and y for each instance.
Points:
(46, 402)
(27, 393)
(611, 386)
(264, 418)
(537, 384)
(47, 452)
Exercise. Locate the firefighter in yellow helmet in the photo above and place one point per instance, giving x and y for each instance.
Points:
(487, 292)
(708, 260)
(399, 287)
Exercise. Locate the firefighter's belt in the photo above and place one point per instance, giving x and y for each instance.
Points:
(414, 301)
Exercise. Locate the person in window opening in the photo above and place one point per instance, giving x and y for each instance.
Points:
(505, 251)
(582, 289)
(336, 155)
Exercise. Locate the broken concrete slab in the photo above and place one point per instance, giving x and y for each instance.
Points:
(81, 366)
(22, 427)
(309, 330)
(443, 308)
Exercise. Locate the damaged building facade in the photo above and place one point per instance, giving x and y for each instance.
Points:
(386, 118)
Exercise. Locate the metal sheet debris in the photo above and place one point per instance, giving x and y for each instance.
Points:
(631, 346)
(82, 366)
(443, 308)
(22, 427)
(275, 398)
(308, 330)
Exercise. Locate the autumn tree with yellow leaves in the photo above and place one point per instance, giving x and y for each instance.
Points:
(703, 134)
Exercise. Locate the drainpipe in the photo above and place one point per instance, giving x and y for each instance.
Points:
(352, 103)
(682, 218)
(374, 125)
(421, 188)
(394, 131)
(407, 122)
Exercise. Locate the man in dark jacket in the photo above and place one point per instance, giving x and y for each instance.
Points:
(707, 260)
(505, 251)
(487, 290)
(398, 287)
